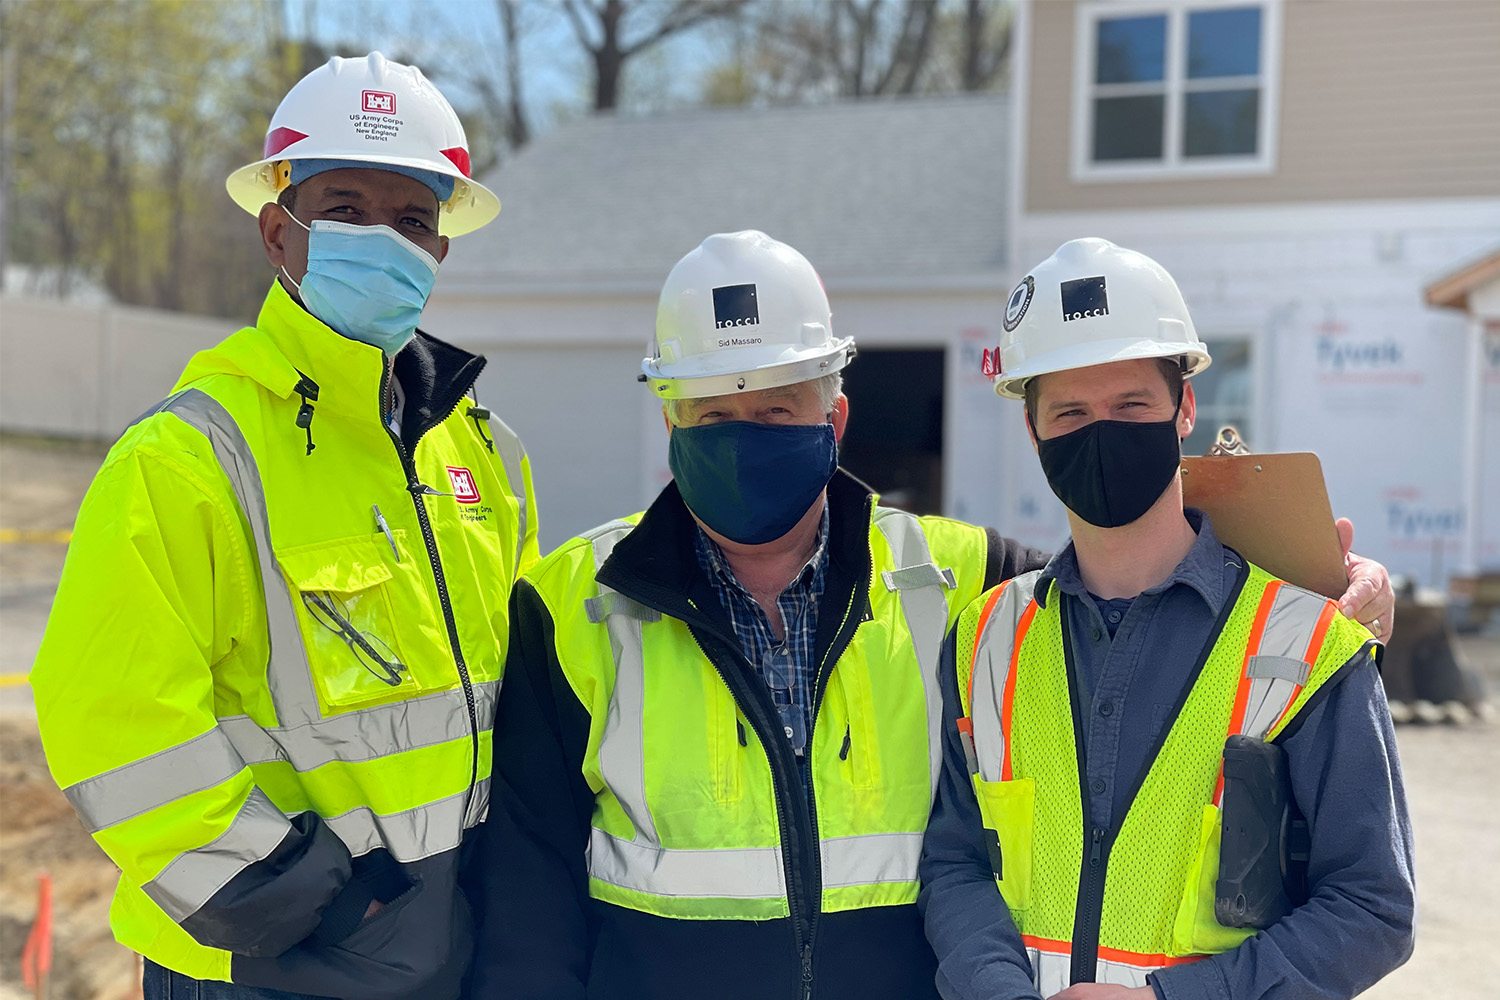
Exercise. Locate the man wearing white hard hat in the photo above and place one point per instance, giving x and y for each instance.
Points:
(268, 680)
(719, 737)
(1167, 774)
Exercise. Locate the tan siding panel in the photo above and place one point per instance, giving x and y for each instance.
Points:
(1380, 99)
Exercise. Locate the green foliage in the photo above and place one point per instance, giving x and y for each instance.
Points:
(126, 117)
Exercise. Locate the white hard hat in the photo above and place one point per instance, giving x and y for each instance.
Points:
(741, 312)
(1091, 303)
(369, 111)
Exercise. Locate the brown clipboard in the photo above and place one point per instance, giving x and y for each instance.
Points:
(1274, 511)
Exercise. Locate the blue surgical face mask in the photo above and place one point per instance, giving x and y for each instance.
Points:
(752, 482)
(367, 282)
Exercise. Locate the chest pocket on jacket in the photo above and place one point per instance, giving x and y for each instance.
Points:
(342, 595)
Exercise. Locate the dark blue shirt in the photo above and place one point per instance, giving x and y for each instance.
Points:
(1356, 926)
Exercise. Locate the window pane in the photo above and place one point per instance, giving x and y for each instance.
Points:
(1128, 128)
(1224, 43)
(1220, 123)
(1131, 49)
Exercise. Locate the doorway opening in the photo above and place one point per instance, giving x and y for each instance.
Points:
(894, 440)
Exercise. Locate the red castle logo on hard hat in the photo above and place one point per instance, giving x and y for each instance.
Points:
(990, 363)
(378, 101)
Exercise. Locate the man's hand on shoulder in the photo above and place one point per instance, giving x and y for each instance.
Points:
(1105, 991)
(1369, 599)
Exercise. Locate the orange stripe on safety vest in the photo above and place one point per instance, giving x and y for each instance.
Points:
(1137, 958)
(1008, 701)
(1310, 657)
(984, 619)
(1047, 944)
(1242, 696)
(1120, 955)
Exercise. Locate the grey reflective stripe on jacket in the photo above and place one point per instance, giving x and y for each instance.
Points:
(920, 583)
(643, 864)
(512, 453)
(305, 739)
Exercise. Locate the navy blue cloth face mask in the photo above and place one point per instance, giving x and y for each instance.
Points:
(752, 482)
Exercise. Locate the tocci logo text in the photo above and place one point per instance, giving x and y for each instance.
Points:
(1084, 298)
(379, 101)
(735, 305)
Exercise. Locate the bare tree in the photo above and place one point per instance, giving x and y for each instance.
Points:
(986, 42)
(602, 29)
(870, 56)
(517, 129)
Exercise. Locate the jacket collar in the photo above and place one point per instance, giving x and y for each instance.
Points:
(288, 342)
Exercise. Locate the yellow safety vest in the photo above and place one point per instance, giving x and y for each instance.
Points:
(1145, 889)
(685, 821)
(199, 681)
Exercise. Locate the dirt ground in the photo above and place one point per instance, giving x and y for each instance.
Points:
(1452, 779)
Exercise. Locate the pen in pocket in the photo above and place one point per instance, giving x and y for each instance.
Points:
(380, 523)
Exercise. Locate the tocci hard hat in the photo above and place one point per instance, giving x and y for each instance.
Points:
(739, 313)
(1091, 303)
(369, 111)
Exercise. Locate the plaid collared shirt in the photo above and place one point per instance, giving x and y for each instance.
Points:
(788, 666)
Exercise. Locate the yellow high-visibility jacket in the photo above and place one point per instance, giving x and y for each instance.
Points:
(268, 681)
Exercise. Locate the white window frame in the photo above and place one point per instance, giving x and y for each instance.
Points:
(1173, 163)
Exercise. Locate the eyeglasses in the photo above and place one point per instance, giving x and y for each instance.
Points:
(371, 652)
(776, 668)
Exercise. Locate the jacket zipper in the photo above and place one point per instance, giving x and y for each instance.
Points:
(1097, 842)
(802, 928)
(418, 489)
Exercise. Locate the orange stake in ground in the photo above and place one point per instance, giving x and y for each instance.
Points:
(36, 957)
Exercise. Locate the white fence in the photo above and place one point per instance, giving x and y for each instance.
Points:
(88, 371)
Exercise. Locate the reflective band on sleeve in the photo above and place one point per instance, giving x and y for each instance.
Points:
(410, 835)
(288, 674)
(870, 859)
(140, 786)
(613, 603)
(721, 873)
(926, 611)
(1279, 667)
(923, 575)
(508, 446)
(365, 734)
(192, 878)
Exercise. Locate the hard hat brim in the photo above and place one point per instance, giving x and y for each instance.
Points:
(1012, 384)
(745, 369)
(472, 205)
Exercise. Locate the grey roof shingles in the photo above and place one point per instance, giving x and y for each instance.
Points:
(906, 188)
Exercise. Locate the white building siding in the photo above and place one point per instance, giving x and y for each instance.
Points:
(1350, 363)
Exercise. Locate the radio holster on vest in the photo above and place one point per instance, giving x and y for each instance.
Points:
(1264, 845)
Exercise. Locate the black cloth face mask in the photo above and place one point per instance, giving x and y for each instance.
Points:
(1110, 472)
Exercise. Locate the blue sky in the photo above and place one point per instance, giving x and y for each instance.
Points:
(451, 40)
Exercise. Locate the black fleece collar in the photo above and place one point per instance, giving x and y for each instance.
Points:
(434, 376)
